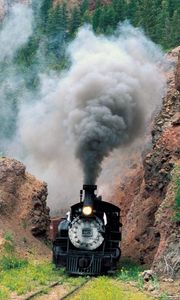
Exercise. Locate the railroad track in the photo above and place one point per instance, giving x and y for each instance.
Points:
(66, 296)
(75, 290)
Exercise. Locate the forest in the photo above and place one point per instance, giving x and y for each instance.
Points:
(56, 25)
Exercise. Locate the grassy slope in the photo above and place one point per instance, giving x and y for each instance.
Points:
(106, 288)
(31, 277)
(20, 277)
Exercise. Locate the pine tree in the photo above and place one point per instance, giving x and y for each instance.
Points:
(172, 6)
(56, 30)
(175, 33)
(131, 10)
(96, 18)
(109, 19)
(44, 13)
(148, 17)
(120, 8)
(75, 21)
(163, 28)
(84, 7)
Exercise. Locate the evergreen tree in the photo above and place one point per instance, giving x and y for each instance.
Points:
(175, 32)
(96, 18)
(131, 10)
(44, 13)
(84, 7)
(55, 29)
(172, 6)
(110, 19)
(120, 8)
(163, 25)
(75, 21)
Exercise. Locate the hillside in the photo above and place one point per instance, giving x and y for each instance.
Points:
(23, 210)
(91, 3)
(147, 193)
(88, 104)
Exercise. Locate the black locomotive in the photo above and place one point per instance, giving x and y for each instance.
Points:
(87, 242)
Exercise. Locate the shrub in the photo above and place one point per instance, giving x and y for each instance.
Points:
(129, 271)
(12, 262)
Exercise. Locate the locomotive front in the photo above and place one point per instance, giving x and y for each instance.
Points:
(88, 239)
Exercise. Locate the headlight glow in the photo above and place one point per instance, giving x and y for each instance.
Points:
(87, 210)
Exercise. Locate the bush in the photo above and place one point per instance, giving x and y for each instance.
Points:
(129, 271)
(12, 262)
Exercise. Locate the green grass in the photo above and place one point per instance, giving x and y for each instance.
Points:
(25, 277)
(20, 276)
(8, 236)
(130, 271)
(11, 262)
(4, 293)
(105, 288)
(114, 288)
(164, 296)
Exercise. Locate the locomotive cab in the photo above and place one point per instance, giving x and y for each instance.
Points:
(88, 239)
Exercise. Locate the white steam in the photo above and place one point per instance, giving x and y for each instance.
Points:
(102, 102)
(17, 28)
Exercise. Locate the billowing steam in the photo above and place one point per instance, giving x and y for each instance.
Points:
(101, 103)
(14, 35)
(15, 32)
(113, 84)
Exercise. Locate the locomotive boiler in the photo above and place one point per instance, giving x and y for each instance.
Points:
(87, 241)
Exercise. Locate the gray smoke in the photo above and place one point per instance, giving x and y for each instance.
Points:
(113, 85)
(101, 103)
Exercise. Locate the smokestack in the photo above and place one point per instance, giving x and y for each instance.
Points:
(89, 191)
(89, 197)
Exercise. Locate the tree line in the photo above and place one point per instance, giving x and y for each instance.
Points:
(56, 25)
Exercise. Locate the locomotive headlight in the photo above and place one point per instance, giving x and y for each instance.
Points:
(87, 210)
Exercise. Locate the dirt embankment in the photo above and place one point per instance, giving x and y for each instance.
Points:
(147, 196)
(23, 209)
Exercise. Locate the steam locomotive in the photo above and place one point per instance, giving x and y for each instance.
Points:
(87, 241)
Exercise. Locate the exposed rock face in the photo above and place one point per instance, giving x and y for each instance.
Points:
(167, 257)
(39, 213)
(23, 197)
(147, 198)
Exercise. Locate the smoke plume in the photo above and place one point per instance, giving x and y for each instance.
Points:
(100, 103)
(111, 88)
(15, 32)
(13, 36)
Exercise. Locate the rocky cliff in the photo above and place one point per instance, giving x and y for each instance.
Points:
(22, 200)
(147, 195)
